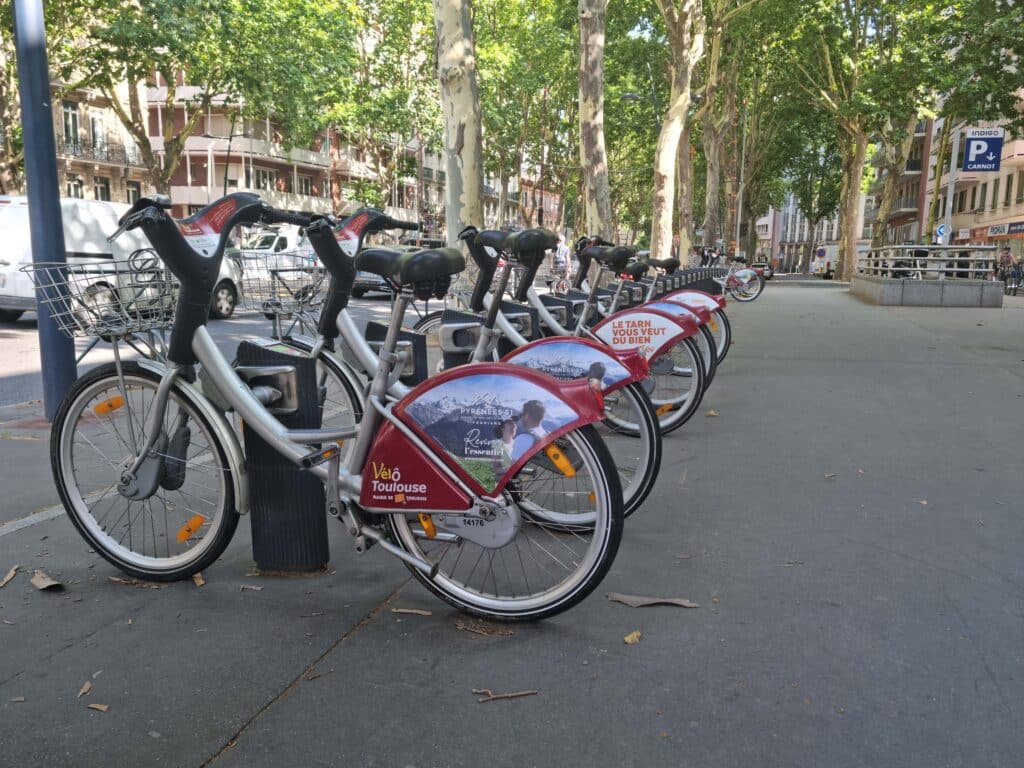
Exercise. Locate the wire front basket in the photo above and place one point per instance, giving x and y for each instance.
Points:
(281, 283)
(107, 297)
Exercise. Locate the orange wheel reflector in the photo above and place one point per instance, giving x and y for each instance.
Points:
(559, 460)
(713, 323)
(592, 497)
(190, 528)
(109, 405)
(428, 525)
(663, 409)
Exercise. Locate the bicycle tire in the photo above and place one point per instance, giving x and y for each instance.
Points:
(104, 379)
(673, 412)
(588, 569)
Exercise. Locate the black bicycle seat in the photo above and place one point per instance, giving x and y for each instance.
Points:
(528, 245)
(617, 257)
(636, 270)
(492, 238)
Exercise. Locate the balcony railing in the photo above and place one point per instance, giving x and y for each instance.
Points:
(106, 152)
(929, 262)
(903, 205)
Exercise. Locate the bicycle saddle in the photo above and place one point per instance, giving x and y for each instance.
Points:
(635, 271)
(492, 238)
(615, 258)
(529, 245)
(669, 265)
(408, 268)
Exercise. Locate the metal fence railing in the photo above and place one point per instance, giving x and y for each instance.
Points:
(930, 262)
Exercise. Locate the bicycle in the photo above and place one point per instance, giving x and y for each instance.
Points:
(420, 482)
(741, 282)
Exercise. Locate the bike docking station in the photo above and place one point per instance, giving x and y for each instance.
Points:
(289, 528)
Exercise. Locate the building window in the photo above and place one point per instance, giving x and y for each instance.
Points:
(1020, 186)
(73, 187)
(1008, 192)
(69, 110)
(265, 179)
(101, 188)
(995, 193)
(134, 191)
(305, 185)
(96, 133)
(192, 209)
(982, 197)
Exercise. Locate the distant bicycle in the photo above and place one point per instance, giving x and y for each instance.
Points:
(742, 282)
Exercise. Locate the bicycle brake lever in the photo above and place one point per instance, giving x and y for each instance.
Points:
(118, 232)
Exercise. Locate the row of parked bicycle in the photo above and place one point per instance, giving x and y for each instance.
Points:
(495, 448)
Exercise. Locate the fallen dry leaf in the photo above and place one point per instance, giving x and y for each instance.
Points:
(42, 582)
(134, 583)
(311, 615)
(250, 586)
(638, 601)
(488, 695)
(633, 637)
(98, 707)
(9, 576)
(9, 622)
(84, 690)
(682, 557)
(860, 471)
(413, 611)
(316, 675)
(197, 579)
(922, 502)
(711, 413)
(830, 476)
(17, 700)
(479, 628)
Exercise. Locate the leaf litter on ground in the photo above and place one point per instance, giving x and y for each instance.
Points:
(10, 575)
(43, 582)
(633, 637)
(639, 601)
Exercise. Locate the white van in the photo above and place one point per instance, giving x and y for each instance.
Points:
(87, 223)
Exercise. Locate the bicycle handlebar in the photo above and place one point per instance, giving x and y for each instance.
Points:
(278, 216)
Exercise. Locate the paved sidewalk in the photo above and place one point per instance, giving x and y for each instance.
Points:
(849, 524)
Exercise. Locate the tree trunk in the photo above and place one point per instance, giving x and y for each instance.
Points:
(685, 177)
(593, 157)
(460, 106)
(502, 199)
(850, 219)
(712, 140)
(941, 161)
(894, 163)
(684, 21)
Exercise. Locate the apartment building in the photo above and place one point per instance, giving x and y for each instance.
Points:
(96, 157)
(907, 217)
(793, 237)
(988, 207)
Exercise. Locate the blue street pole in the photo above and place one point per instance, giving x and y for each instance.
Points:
(56, 351)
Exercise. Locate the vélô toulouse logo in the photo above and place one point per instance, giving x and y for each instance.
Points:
(386, 484)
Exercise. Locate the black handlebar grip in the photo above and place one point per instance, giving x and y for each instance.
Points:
(277, 216)
(409, 225)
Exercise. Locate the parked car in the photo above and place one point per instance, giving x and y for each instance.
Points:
(87, 223)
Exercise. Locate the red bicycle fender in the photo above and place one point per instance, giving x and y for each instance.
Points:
(464, 414)
(705, 299)
(649, 331)
(700, 314)
(573, 357)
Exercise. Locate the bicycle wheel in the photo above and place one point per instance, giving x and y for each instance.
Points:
(676, 384)
(188, 521)
(630, 430)
(721, 330)
(544, 569)
(430, 326)
(750, 291)
(342, 402)
(708, 352)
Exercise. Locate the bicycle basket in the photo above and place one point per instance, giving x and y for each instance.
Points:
(281, 283)
(107, 297)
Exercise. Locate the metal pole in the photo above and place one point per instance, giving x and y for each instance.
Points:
(227, 159)
(954, 150)
(56, 351)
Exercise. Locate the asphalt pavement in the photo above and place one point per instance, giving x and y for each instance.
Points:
(844, 510)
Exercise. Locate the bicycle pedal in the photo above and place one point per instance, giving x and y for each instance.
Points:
(322, 456)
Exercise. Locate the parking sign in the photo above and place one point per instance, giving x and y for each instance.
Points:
(983, 150)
